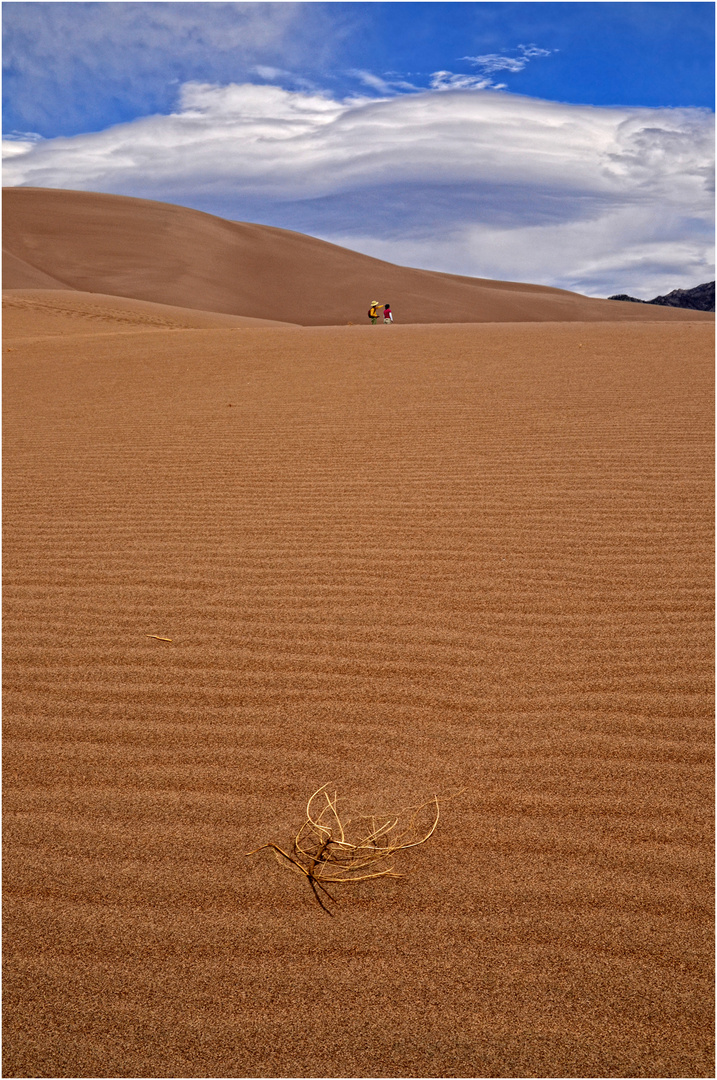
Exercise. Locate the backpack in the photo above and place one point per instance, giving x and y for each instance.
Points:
(373, 312)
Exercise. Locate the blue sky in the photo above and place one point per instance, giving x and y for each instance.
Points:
(567, 143)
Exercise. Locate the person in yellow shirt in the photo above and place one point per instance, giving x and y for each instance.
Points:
(373, 311)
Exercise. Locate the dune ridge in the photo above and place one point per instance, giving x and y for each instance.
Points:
(171, 255)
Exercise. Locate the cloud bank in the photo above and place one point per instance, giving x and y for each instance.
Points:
(460, 178)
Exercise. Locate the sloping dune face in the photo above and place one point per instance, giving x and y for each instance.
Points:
(171, 255)
(29, 313)
(474, 562)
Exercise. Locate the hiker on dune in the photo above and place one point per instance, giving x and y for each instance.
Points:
(387, 313)
(374, 310)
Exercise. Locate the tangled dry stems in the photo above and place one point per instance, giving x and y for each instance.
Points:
(329, 851)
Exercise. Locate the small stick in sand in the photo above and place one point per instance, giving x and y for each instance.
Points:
(328, 851)
(158, 638)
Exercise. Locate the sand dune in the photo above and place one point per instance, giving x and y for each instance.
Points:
(56, 312)
(410, 560)
(171, 255)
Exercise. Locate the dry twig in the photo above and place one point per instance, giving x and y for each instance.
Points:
(329, 851)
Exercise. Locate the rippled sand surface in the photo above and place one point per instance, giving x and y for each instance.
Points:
(406, 560)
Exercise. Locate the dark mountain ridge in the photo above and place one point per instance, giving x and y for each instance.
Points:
(701, 298)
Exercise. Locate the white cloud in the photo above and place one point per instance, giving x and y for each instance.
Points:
(385, 86)
(464, 180)
(446, 80)
(488, 64)
(19, 142)
(494, 62)
(530, 51)
(500, 62)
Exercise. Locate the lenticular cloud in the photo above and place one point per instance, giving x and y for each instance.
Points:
(463, 180)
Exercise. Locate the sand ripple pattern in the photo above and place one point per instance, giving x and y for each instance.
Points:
(405, 559)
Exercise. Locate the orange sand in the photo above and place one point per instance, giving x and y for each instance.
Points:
(404, 559)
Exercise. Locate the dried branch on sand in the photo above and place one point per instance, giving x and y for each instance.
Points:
(329, 851)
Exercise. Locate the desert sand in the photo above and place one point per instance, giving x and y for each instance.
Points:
(469, 560)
